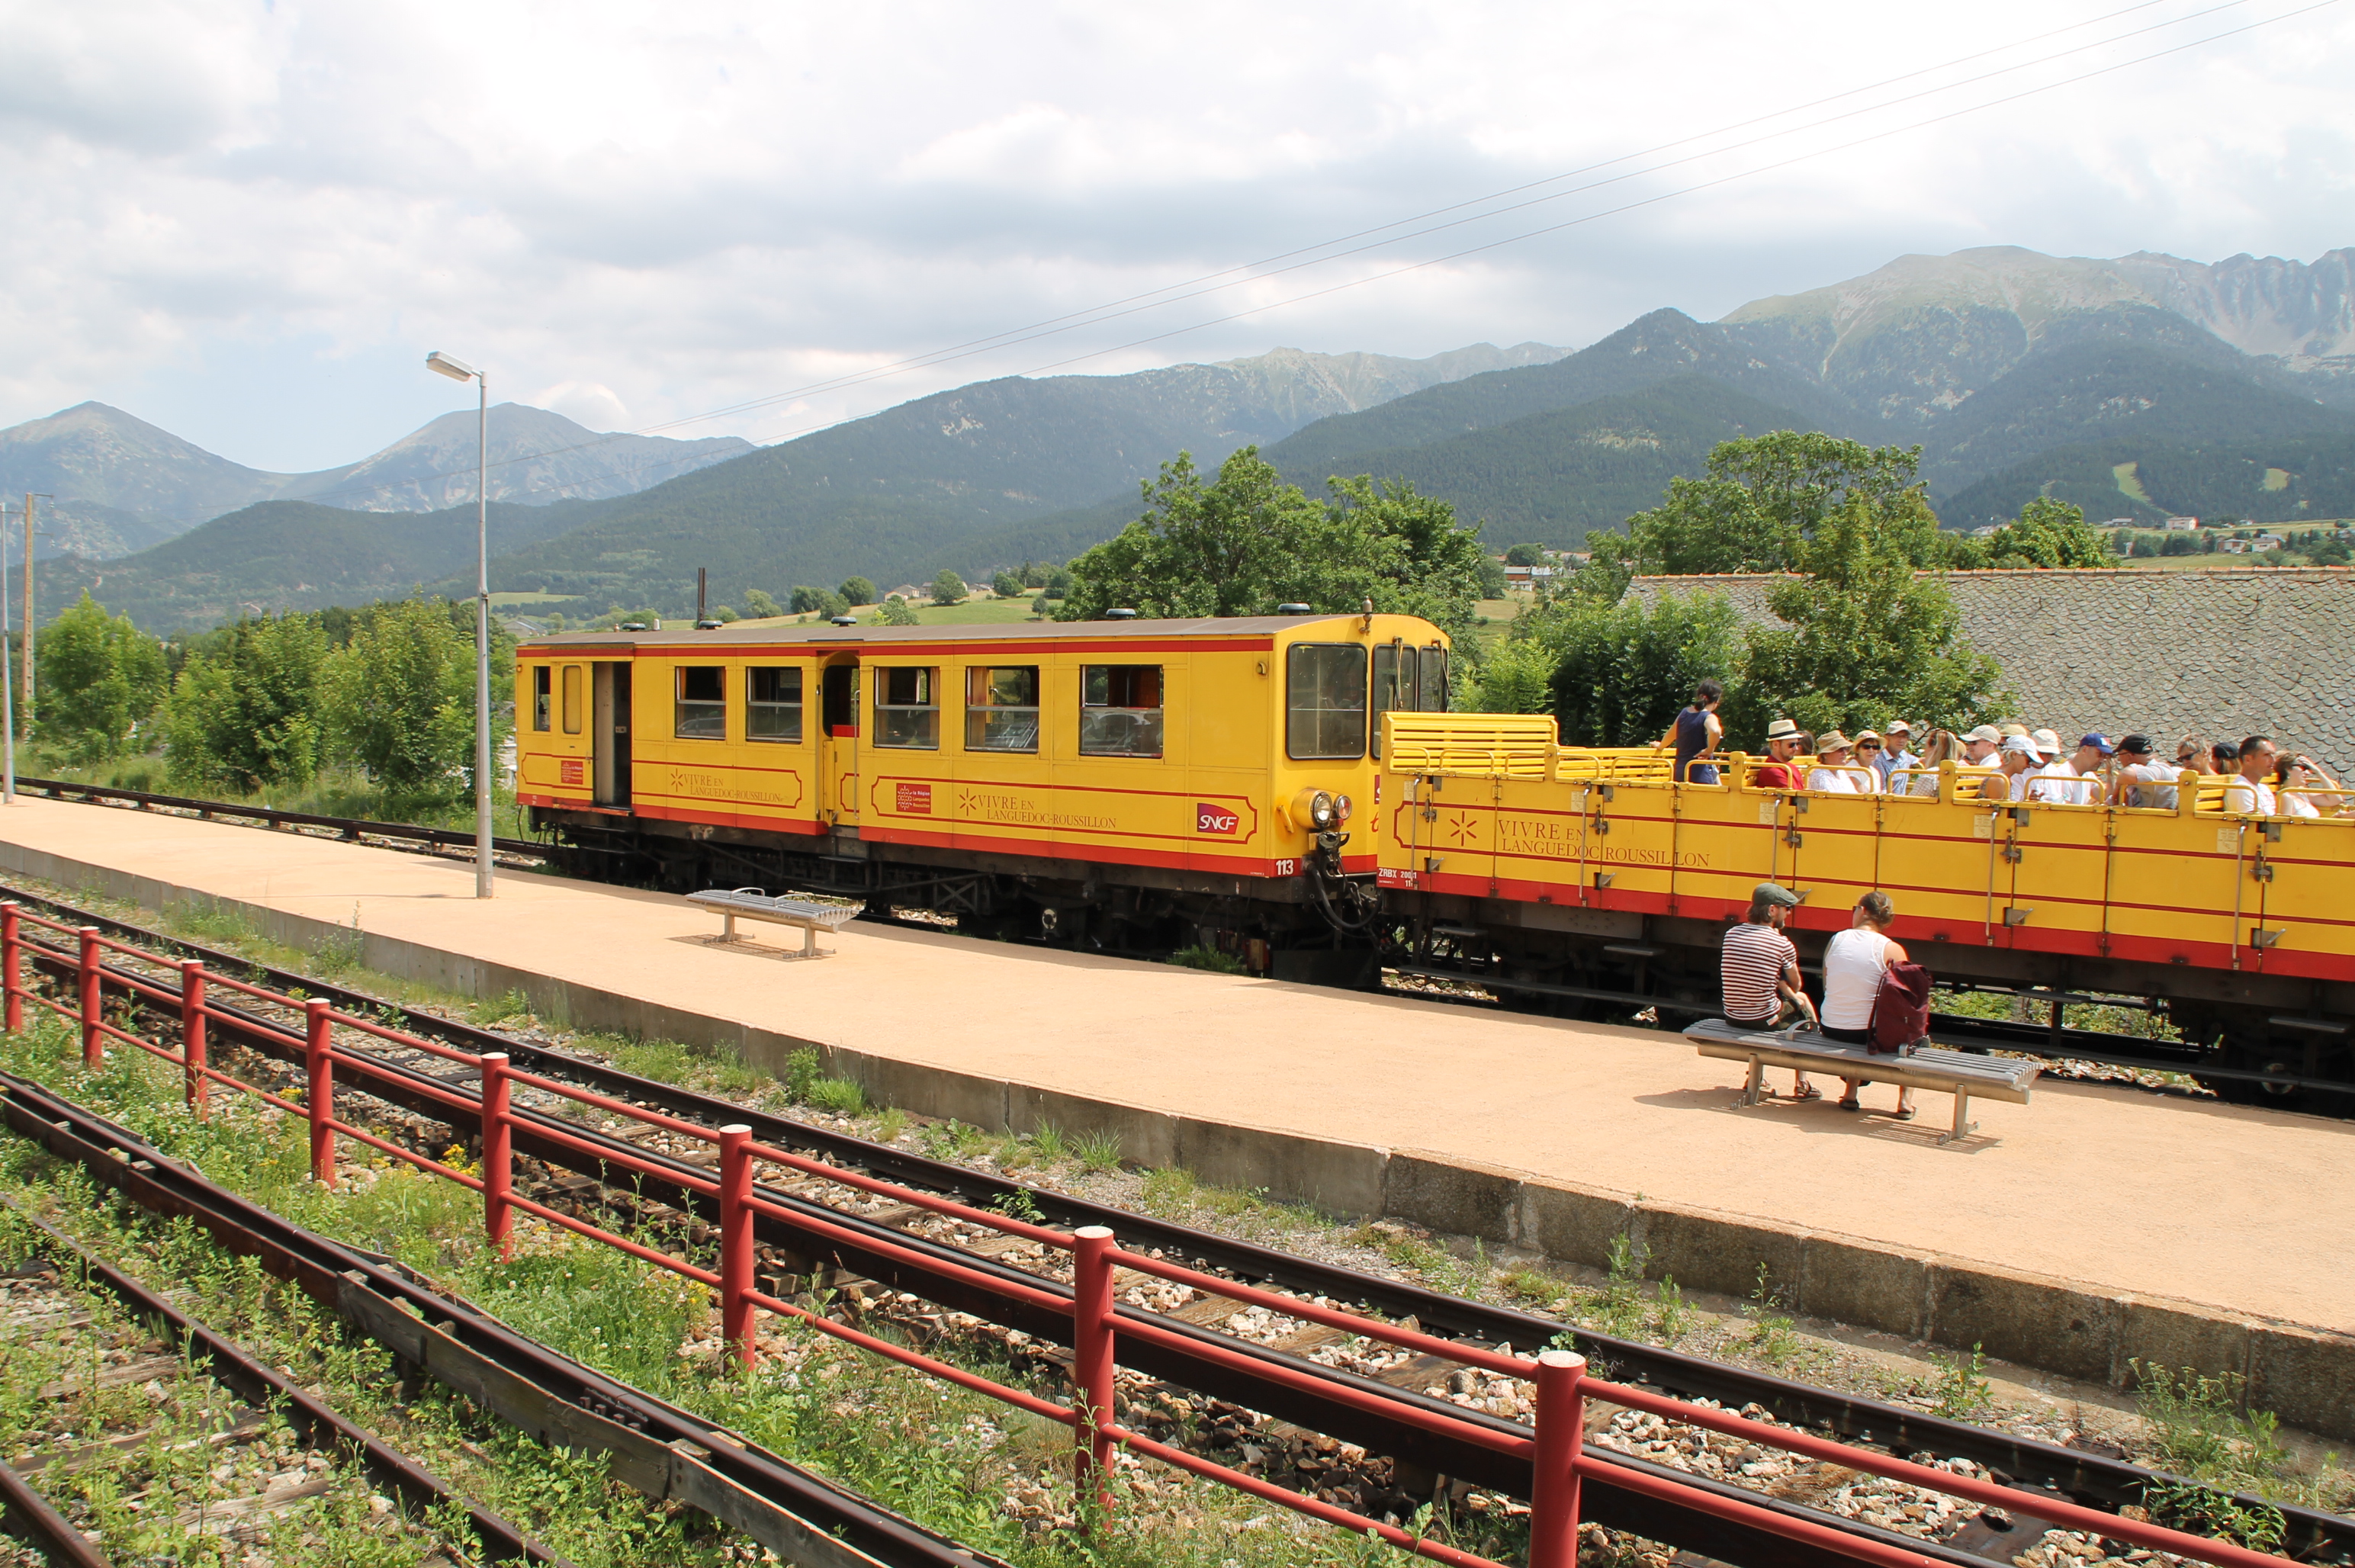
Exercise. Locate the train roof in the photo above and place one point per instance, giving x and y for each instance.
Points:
(769, 633)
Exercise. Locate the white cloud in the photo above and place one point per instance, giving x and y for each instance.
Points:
(246, 222)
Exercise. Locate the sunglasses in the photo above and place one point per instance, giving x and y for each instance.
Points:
(1869, 746)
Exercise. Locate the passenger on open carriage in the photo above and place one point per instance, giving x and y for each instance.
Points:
(1940, 746)
(1835, 771)
(2071, 781)
(1869, 778)
(1898, 751)
(1779, 771)
(2142, 782)
(2253, 790)
(1695, 735)
(2017, 757)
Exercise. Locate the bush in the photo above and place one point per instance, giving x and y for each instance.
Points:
(97, 679)
(948, 588)
(858, 591)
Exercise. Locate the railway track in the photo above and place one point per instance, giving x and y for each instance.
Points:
(2053, 1042)
(875, 1238)
(204, 1438)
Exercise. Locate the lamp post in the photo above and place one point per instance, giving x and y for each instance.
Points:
(458, 371)
(7, 689)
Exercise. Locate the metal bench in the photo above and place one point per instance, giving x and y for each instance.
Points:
(1803, 1049)
(777, 909)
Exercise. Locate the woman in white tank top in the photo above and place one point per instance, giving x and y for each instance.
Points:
(1854, 962)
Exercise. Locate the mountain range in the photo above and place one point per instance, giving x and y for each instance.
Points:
(2135, 388)
(120, 484)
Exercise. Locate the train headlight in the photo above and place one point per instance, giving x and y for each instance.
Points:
(1342, 806)
(1313, 809)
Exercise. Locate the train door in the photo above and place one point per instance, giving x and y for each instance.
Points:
(610, 733)
(838, 741)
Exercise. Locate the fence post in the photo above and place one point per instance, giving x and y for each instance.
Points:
(93, 1044)
(735, 1316)
(1091, 1361)
(321, 1100)
(1561, 1433)
(12, 961)
(498, 1154)
(192, 1033)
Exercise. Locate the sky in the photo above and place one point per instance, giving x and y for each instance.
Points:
(248, 222)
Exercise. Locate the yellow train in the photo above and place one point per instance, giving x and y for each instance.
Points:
(1292, 789)
(1106, 781)
(1589, 876)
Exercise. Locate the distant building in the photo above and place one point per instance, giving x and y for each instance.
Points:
(2183, 525)
(2269, 541)
(1985, 532)
(2119, 523)
(908, 591)
(1530, 576)
(2234, 547)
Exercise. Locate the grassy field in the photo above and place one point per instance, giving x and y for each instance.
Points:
(974, 612)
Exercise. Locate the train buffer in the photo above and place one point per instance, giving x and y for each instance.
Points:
(1803, 1049)
(777, 909)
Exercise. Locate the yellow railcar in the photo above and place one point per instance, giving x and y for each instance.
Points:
(1009, 771)
(1589, 873)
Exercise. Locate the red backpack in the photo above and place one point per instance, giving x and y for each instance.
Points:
(1901, 1010)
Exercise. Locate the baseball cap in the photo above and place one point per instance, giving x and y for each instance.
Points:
(2047, 743)
(2019, 745)
(1986, 734)
(1773, 893)
(2100, 744)
(1899, 727)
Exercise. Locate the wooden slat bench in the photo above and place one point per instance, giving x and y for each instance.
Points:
(1802, 1050)
(778, 909)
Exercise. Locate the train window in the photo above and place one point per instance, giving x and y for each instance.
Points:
(1001, 709)
(540, 697)
(702, 703)
(1120, 711)
(1396, 687)
(572, 699)
(907, 709)
(773, 705)
(1325, 702)
(1434, 679)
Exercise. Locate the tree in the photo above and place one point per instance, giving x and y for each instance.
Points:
(1864, 639)
(1512, 679)
(725, 615)
(858, 591)
(897, 612)
(1006, 585)
(1526, 555)
(1033, 575)
(1622, 671)
(1765, 496)
(2047, 533)
(1248, 542)
(100, 679)
(757, 602)
(823, 601)
(247, 714)
(1493, 581)
(948, 588)
(398, 699)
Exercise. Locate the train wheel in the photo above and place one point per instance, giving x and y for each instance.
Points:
(2253, 1053)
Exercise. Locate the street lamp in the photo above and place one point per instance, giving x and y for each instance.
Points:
(458, 371)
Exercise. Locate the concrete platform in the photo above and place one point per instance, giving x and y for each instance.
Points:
(2093, 1226)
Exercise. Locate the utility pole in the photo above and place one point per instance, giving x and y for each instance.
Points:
(7, 686)
(29, 609)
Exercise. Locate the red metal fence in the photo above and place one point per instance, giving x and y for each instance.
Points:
(1554, 1446)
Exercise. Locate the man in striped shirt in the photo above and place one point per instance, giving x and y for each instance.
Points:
(1760, 970)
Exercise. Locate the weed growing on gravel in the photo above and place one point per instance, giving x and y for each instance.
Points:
(801, 1071)
(952, 1139)
(1531, 1287)
(510, 1004)
(1211, 958)
(837, 1096)
(1771, 1339)
(889, 1125)
(1959, 1387)
(2200, 1429)
(1047, 1145)
(1671, 1318)
(1097, 1152)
